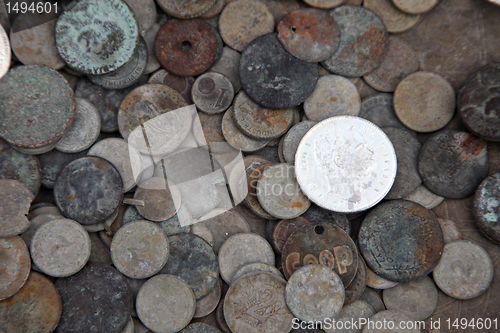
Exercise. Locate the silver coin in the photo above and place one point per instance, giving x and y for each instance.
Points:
(256, 267)
(228, 65)
(398, 319)
(145, 12)
(37, 150)
(236, 138)
(423, 196)
(292, 139)
(351, 313)
(377, 282)
(35, 224)
(4, 53)
(212, 92)
(345, 164)
(14, 206)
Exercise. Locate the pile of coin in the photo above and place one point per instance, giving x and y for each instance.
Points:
(249, 166)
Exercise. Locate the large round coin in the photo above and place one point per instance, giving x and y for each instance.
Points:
(345, 164)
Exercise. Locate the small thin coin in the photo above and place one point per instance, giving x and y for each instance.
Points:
(487, 207)
(253, 174)
(398, 318)
(236, 138)
(207, 304)
(357, 312)
(161, 200)
(379, 110)
(317, 214)
(212, 92)
(377, 282)
(53, 162)
(423, 196)
(145, 13)
(186, 9)
(415, 6)
(14, 206)
(394, 19)
(357, 287)
(15, 266)
(256, 267)
(292, 139)
(227, 64)
(284, 229)
(60, 247)
(324, 4)
(182, 84)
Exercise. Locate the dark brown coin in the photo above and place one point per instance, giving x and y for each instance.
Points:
(274, 78)
(284, 229)
(321, 243)
(309, 34)
(452, 163)
(186, 9)
(181, 84)
(15, 265)
(401, 240)
(53, 162)
(251, 200)
(479, 103)
(97, 288)
(88, 190)
(212, 92)
(316, 213)
(186, 48)
(362, 45)
(357, 287)
(379, 110)
(487, 207)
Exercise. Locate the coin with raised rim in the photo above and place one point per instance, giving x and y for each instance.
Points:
(186, 9)
(212, 92)
(14, 206)
(15, 264)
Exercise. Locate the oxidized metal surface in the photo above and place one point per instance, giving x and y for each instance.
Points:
(415, 6)
(186, 9)
(314, 293)
(256, 304)
(36, 307)
(170, 226)
(399, 319)
(324, 4)
(38, 150)
(465, 270)
(253, 174)
(208, 132)
(88, 190)
(379, 110)
(256, 267)
(228, 65)
(479, 103)
(309, 34)
(199, 328)
(60, 247)
(284, 229)
(400, 61)
(357, 287)
(53, 162)
(487, 207)
(352, 313)
(274, 78)
(186, 47)
(139, 249)
(334, 95)
(181, 84)
(212, 92)
(207, 304)
(5, 55)
(14, 206)
(279, 193)
(452, 163)
(377, 282)
(149, 37)
(98, 250)
(84, 129)
(395, 20)
(317, 214)
(97, 37)
(292, 138)
(240, 250)
(281, 8)
(35, 223)
(215, 10)
(15, 265)
(128, 74)
(363, 42)
(321, 243)
(221, 321)
(20, 167)
(417, 299)
(345, 164)
(243, 21)
(236, 138)
(372, 298)
(423, 196)
(38, 106)
(424, 102)
(97, 288)
(145, 13)
(401, 240)
(165, 304)
(450, 230)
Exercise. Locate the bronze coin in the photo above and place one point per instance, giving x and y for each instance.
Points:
(181, 84)
(284, 229)
(186, 9)
(161, 200)
(357, 287)
(186, 47)
(15, 266)
(253, 175)
(212, 92)
(487, 207)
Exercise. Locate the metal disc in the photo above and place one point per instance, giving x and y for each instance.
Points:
(253, 174)
(394, 19)
(186, 9)
(415, 6)
(182, 84)
(14, 206)
(379, 110)
(53, 162)
(212, 92)
(170, 226)
(486, 207)
(145, 12)
(207, 304)
(161, 200)
(352, 313)
(256, 267)
(15, 266)
(284, 229)
(372, 298)
(324, 4)
(228, 65)
(317, 214)
(208, 132)
(357, 287)
(292, 139)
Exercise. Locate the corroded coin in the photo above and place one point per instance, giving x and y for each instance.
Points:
(199, 328)
(38, 106)
(35, 223)
(165, 304)
(145, 13)
(36, 307)
(314, 293)
(362, 45)
(452, 163)
(207, 131)
(253, 174)
(345, 164)
(450, 230)
(215, 10)
(171, 226)
(357, 287)
(487, 207)
(14, 206)
(415, 6)
(284, 229)
(186, 47)
(212, 92)
(400, 61)
(334, 95)
(38, 150)
(53, 162)
(292, 139)
(21, 167)
(88, 190)
(227, 64)
(372, 298)
(324, 4)
(5, 55)
(399, 323)
(272, 77)
(358, 312)
(186, 9)
(182, 84)
(317, 214)
(309, 34)
(161, 200)
(97, 37)
(391, 240)
(379, 110)
(97, 288)
(423, 196)
(321, 243)
(15, 265)
(236, 138)
(377, 282)
(395, 20)
(256, 267)
(281, 8)
(207, 304)
(268, 294)
(139, 249)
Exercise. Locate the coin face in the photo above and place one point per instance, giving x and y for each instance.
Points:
(486, 207)
(353, 313)
(415, 6)
(145, 12)
(212, 92)
(379, 110)
(345, 164)
(14, 206)
(186, 9)
(15, 266)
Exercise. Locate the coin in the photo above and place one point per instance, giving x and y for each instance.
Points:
(379, 110)
(339, 157)
(182, 84)
(208, 132)
(321, 243)
(414, 6)
(390, 240)
(14, 206)
(161, 200)
(97, 288)
(398, 319)
(110, 32)
(149, 37)
(212, 92)
(207, 304)
(324, 4)
(256, 267)
(450, 230)
(362, 46)
(35, 223)
(357, 287)
(268, 293)
(452, 163)
(284, 229)
(145, 13)
(227, 64)
(165, 303)
(372, 298)
(15, 264)
(309, 34)
(236, 138)
(43, 208)
(317, 214)
(186, 9)
(377, 282)
(272, 77)
(253, 175)
(292, 138)
(38, 106)
(52, 164)
(186, 48)
(486, 207)
(281, 8)
(394, 19)
(423, 196)
(38, 150)
(334, 95)
(357, 312)
(88, 190)
(5, 56)
(215, 10)
(241, 249)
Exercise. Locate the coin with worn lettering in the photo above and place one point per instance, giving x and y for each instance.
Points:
(186, 9)
(309, 34)
(322, 243)
(21, 167)
(400, 323)
(357, 287)
(110, 33)
(487, 207)
(401, 240)
(5, 55)
(267, 293)
(236, 138)
(53, 162)
(207, 304)
(145, 13)
(228, 64)
(256, 267)
(453, 163)
(423, 196)
(317, 214)
(14, 206)
(284, 229)
(415, 6)
(377, 282)
(345, 164)
(253, 174)
(15, 265)
(161, 199)
(324, 4)
(379, 110)
(292, 138)
(395, 20)
(212, 92)
(181, 84)
(272, 77)
(88, 190)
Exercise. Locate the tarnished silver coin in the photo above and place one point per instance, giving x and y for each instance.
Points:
(60, 248)
(423, 196)
(212, 92)
(207, 304)
(14, 206)
(43, 208)
(345, 164)
(377, 282)
(15, 263)
(398, 319)
(256, 267)
(139, 249)
(84, 129)
(4, 53)
(237, 138)
(352, 313)
(145, 13)
(228, 64)
(292, 139)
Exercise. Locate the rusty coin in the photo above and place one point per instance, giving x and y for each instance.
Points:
(452, 163)
(253, 174)
(161, 200)
(15, 266)
(284, 229)
(186, 9)
(14, 206)
(207, 304)
(53, 162)
(357, 287)
(415, 6)
(379, 110)
(182, 84)
(212, 92)
(395, 20)
(487, 207)
(316, 213)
